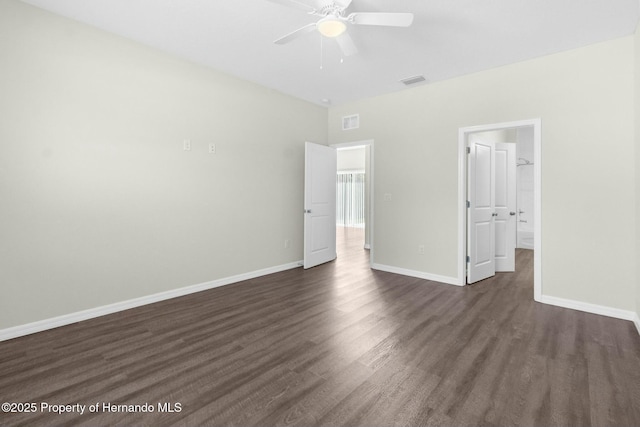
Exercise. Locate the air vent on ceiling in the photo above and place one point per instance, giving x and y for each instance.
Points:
(351, 122)
(413, 80)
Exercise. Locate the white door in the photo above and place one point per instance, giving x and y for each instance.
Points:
(319, 204)
(505, 206)
(481, 210)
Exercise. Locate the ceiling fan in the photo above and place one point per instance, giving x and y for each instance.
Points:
(334, 21)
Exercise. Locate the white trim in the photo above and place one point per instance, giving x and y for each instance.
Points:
(537, 209)
(537, 214)
(418, 274)
(590, 308)
(352, 144)
(636, 321)
(370, 143)
(349, 171)
(462, 207)
(54, 322)
(348, 147)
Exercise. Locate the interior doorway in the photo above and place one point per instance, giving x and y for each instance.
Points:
(471, 218)
(354, 194)
(491, 203)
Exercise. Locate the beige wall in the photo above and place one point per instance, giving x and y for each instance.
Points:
(637, 159)
(100, 203)
(584, 98)
(351, 159)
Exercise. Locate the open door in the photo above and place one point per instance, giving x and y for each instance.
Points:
(471, 223)
(505, 206)
(481, 210)
(319, 204)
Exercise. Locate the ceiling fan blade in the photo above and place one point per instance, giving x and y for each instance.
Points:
(347, 46)
(297, 4)
(297, 33)
(343, 3)
(375, 18)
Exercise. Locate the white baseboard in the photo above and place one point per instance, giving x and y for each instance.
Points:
(590, 308)
(545, 299)
(417, 274)
(42, 325)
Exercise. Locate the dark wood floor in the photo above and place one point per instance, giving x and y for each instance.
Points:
(336, 345)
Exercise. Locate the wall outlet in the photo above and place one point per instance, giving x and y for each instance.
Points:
(186, 145)
(287, 243)
(421, 249)
(212, 148)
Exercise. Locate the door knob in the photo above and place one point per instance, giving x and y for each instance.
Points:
(512, 213)
(494, 214)
(307, 211)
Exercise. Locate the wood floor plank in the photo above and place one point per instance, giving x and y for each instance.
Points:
(316, 402)
(339, 344)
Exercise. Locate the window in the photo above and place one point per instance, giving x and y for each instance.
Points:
(350, 210)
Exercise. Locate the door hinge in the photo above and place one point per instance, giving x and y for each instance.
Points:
(468, 204)
(468, 259)
(468, 150)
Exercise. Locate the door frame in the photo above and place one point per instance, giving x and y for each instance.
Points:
(537, 182)
(370, 144)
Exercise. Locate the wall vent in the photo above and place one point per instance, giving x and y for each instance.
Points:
(351, 122)
(413, 80)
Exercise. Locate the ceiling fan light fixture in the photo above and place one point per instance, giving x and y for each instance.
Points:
(331, 26)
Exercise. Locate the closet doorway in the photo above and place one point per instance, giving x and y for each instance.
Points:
(487, 234)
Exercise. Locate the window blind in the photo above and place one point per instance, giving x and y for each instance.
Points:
(350, 199)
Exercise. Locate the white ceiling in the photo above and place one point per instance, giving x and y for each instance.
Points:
(448, 38)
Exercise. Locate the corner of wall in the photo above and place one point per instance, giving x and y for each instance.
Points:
(636, 116)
